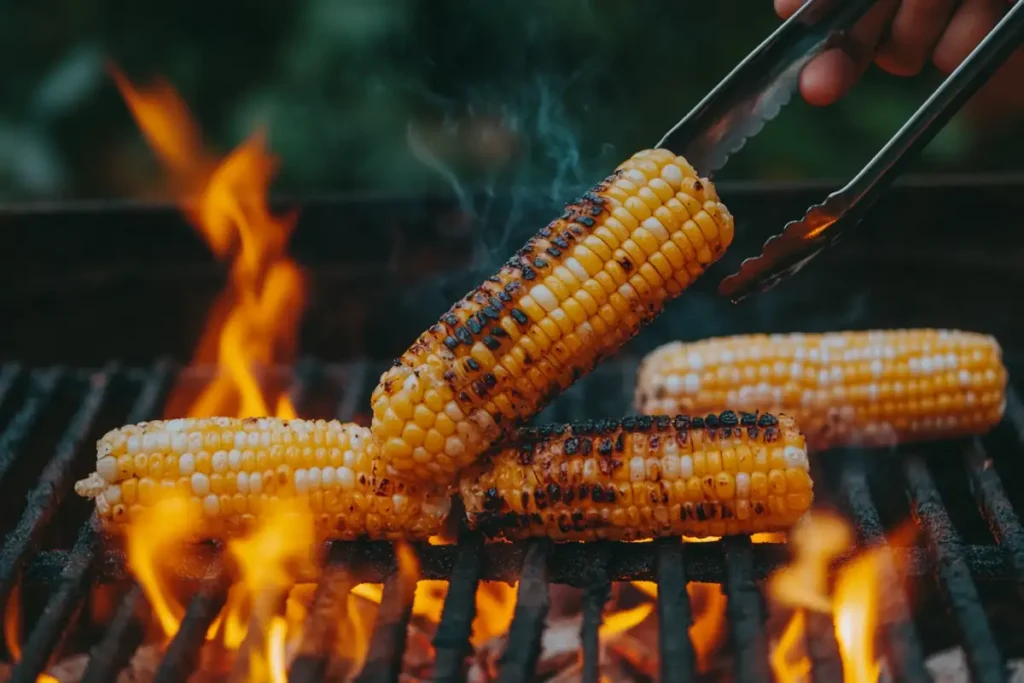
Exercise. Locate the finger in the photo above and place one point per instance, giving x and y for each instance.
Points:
(914, 31)
(786, 8)
(831, 75)
(969, 25)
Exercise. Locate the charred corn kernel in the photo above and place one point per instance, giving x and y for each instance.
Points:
(874, 388)
(343, 482)
(638, 478)
(576, 292)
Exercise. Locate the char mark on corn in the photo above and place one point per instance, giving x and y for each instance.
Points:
(873, 388)
(642, 477)
(231, 469)
(575, 293)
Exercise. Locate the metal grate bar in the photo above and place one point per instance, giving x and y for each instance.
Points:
(83, 556)
(387, 646)
(745, 613)
(451, 640)
(182, 655)
(328, 612)
(996, 507)
(902, 644)
(822, 648)
(42, 386)
(372, 564)
(122, 637)
(522, 647)
(983, 656)
(678, 660)
(53, 484)
(57, 617)
(9, 375)
(596, 592)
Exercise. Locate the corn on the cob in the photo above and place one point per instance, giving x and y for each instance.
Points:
(875, 388)
(577, 291)
(640, 477)
(231, 469)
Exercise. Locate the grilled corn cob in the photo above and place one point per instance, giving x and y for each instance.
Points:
(577, 291)
(230, 469)
(874, 388)
(642, 477)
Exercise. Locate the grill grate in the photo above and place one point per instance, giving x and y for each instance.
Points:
(958, 560)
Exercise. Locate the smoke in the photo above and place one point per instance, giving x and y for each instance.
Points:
(511, 157)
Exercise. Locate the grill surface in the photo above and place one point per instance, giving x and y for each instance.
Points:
(971, 534)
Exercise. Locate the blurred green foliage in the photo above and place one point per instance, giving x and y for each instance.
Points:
(417, 95)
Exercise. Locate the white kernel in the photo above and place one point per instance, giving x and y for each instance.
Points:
(301, 482)
(195, 441)
(200, 484)
(106, 467)
(175, 425)
(654, 226)
(728, 356)
(796, 370)
(346, 478)
(149, 442)
(695, 361)
(686, 466)
(672, 175)
(544, 298)
(253, 440)
(591, 471)
(692, 382)
(795, 457)
(313, 478)
(179, 442)
(670, 466)
(242, 482)
(400, 503)
(577, 269)
(186, 464)
(876, 368)
(211, 505)
(453, 411)
(742, 486)
(328, 478)
(453, 446)
(637, 468)
(219, 462)
(348, 459)
(964, 376)
(255, 482)
(134, 444)
(234, 459)
(113, 494)
(673, 384)
(824, 377)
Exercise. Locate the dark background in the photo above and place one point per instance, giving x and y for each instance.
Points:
(502, 93)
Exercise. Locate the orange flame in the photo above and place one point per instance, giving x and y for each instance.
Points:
(788, 661)
(153, 537)
(12, 623)
(255, 320)
(855, 611)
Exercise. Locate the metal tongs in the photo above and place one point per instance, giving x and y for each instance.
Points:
(754, 92)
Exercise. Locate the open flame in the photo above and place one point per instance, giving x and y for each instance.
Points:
(254, 322)
(852, 603)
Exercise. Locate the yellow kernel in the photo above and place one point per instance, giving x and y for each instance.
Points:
(758, 485)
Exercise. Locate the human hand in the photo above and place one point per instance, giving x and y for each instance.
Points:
(899, 36)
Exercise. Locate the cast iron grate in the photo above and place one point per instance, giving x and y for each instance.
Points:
(59, 410)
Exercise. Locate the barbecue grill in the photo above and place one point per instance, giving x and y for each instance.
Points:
(105, 315)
